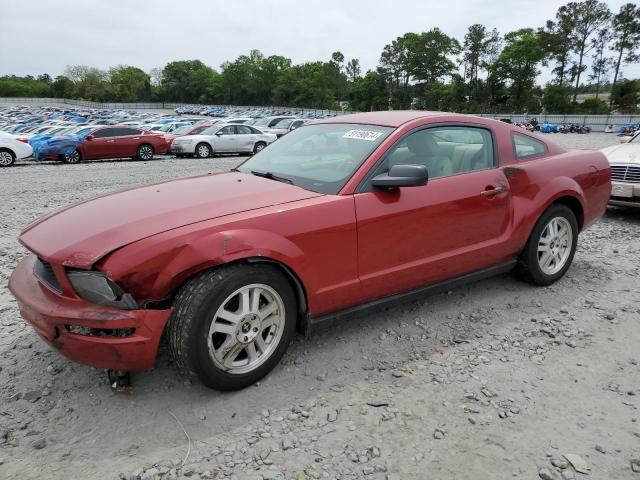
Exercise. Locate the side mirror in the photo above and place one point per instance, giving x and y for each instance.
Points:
(402, 176)
(89, 137)
(219, 134)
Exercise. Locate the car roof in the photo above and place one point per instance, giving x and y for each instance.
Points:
(393, 118)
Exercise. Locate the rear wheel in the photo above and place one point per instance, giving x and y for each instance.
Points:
(145, 152)
(7, 157)
(551, 247)
(231, 326)
(72, 157)
(203, 150)
(258, 147)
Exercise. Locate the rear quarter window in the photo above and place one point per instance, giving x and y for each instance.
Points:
(525, 147)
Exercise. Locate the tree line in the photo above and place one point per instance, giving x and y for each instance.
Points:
(586, 46)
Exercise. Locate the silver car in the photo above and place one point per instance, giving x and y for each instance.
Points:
(228, 138)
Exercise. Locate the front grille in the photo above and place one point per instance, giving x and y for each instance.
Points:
(44, 272)
(626, 173)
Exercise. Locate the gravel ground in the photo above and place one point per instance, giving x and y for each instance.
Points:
(494, 380)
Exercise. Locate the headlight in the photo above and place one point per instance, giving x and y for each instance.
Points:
(96, 287)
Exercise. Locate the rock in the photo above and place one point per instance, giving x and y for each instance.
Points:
(32, 396)
(337, 388)
(568, 474)
(635, 465)
(577, 463)
(545, 474)
(600, 449)
(39, 444)
(287, 444)
(559, 463)
(332, 416)
(438, 434)
(273, 475)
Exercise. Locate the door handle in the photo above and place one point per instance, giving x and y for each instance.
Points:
(490, 191)
(110, 141)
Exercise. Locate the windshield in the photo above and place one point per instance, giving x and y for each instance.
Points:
(210, 130)
(283, 124)
(262, 122)
(183, 130)
(320, 158)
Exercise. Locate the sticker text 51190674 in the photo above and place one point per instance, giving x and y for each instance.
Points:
(368, 135)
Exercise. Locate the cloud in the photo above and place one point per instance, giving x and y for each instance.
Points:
(45, 36)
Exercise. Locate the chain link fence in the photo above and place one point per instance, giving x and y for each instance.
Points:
(597, 122)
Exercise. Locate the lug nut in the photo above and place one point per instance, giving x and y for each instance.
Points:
(255, 329)
(246, 338)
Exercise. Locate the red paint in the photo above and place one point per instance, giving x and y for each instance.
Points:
(121, 146)
(345, 249)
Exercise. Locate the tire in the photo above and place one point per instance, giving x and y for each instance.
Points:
(145, 152)
(556, 229)
(7, 157)
(72, 157)
(258, 147)
(203, 150)
(225, 355)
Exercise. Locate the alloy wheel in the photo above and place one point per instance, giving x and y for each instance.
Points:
(6, 158)
(554, 245)
(73, 157)
(145, 152)
(246, 329)
(203, 151)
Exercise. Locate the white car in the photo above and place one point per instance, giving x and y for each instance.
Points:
(12, 149)
(228, 138)
(625, 172)
(285, 126)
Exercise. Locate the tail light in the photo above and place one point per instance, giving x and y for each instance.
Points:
(22, 139)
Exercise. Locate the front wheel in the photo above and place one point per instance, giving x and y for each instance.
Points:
(551, 246)
(232, 325)
(145, 152)
(7, 158)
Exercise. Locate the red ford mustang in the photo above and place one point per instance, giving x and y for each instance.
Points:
(338, 216)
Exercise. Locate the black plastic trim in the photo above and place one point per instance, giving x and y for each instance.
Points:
(312, 322)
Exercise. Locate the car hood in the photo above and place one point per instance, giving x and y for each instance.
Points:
(623, 153)
(79, 235)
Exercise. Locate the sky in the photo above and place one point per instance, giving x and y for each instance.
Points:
(44, 36)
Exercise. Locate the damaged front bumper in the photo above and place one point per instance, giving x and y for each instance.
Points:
(84, 332)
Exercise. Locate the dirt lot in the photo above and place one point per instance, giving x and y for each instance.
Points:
(496, 380)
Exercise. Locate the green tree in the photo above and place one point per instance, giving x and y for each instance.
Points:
(601, 64)
(189, 81)
(625, 96)
(352, 69)
(588, 17)
(556, 39)
(429, 55)
(518, 64)
(90, 83)
(369, 93)
(626, 36)
(129, 84)
(63, 87)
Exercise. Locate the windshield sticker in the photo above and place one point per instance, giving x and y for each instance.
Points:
(368, 135)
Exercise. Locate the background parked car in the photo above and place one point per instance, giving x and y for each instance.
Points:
(11, 149)
(117, 142)
(284, 126)
(222, 139)
(625, 172)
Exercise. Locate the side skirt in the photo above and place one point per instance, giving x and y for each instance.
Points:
(311, 322)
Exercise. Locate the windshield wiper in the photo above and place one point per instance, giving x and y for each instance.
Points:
(271, 176)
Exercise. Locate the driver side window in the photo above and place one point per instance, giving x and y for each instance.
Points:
(445, 151)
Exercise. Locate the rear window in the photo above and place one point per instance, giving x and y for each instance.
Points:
(525, 147)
